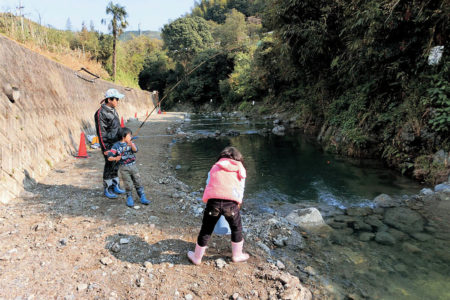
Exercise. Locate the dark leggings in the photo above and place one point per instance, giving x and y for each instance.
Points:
(111, 169)
(214, 209)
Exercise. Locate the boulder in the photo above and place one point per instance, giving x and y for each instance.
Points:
(426, 191)
(359, 211)
(338, 225)
(384, 200)
(411, 248)
(397, 234)
(423, 237)
(366, 236)
(443, 187)
(404, 219)
(360, 225)
(384, 238)
(374, 221)
(279, 130)
(440, 157)
(295, 241)
(307, 218)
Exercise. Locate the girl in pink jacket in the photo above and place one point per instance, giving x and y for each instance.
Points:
(223, 196)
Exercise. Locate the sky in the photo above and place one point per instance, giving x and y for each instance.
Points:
(150, 14)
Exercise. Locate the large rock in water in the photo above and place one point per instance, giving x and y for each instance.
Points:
(307, 218)
(384, 200)
(404, 219)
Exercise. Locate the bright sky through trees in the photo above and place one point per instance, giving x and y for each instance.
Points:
(150, 14)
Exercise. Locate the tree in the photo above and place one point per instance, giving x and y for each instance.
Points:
(185, 37)
(155, 72)
(117, 25)
(234, 31)
(68, 25)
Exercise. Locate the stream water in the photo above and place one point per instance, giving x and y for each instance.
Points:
(291, 169)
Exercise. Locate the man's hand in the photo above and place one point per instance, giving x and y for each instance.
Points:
(118, 158)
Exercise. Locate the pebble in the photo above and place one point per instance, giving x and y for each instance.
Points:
(115, 248)
(106, 260)
(264, 247)
(136, 207)
(124, 241)
(311, 271)
(148, 265)
(188, 297)
(140, 282)
(280, 265)
(235, 296)
(82, 287)
(220, 263)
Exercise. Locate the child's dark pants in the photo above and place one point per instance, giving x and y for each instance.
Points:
(214, 209)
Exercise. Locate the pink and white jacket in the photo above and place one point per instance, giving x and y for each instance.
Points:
(226, 180)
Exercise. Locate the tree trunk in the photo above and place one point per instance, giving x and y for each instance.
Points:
(114, 55)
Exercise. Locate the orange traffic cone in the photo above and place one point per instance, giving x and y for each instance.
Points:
(135, 115)
(159, 111)
(164, 112)
(82, 152)
(121, 123)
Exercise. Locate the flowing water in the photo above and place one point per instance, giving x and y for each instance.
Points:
(289, 168)
(293, 169)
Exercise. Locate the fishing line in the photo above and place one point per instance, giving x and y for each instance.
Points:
(179, 81)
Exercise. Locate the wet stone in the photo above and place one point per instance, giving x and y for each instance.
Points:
(423, 237)
(280, 241)
(385, 238)
(310, 270)
(374, 220)
(337, 225)
(383, 200)
(397, 234)
(366, 236)
(359, 211)
(404, 219)
(360, 225)
(400, 268)
(344, 218)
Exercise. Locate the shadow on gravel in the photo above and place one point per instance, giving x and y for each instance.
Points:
(133, 249)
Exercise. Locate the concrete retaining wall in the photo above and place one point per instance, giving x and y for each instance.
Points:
(44, 125)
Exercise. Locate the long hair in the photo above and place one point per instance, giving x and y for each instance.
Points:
(231, 152)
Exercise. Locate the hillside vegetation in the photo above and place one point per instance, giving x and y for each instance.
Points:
(87, 48)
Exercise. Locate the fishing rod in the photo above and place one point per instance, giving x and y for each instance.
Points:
(179, 81)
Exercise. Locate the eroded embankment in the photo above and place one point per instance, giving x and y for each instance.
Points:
(43, 126)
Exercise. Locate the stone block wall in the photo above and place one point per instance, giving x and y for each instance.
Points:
(43, 126)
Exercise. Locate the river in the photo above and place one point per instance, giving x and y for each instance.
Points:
(285, 171)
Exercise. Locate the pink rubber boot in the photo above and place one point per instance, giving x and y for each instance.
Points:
(238, 255)
(196, 257)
